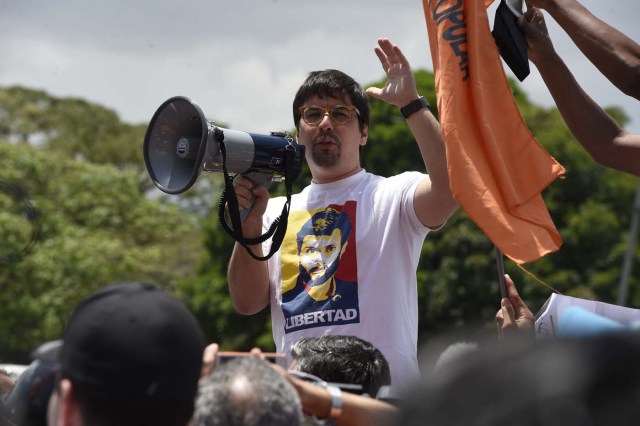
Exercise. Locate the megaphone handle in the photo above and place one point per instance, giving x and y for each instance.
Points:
(257, 179)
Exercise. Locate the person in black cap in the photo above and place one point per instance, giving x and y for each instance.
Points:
(613, 53)
(130, 355)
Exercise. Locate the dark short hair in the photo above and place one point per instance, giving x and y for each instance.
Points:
(343, 359)
(336, 84)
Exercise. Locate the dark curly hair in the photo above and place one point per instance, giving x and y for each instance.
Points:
(336, 84)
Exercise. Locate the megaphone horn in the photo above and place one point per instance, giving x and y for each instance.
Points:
(180, 145)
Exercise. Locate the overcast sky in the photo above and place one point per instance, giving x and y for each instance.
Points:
(240, 60)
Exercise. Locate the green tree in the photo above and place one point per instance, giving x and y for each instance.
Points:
(71, 126)
(96, 227)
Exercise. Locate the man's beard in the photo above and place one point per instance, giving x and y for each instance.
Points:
(326, 158)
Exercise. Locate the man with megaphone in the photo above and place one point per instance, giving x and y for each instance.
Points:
(371, 227)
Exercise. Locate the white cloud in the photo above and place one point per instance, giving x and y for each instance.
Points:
(242, 60)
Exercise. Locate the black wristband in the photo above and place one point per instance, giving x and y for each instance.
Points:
(414, 106)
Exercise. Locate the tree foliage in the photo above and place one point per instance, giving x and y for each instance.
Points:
(94, 225)
(71, 126)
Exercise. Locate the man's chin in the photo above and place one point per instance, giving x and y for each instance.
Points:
(326, 160)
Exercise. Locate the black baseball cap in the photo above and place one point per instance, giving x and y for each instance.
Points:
(131, 343)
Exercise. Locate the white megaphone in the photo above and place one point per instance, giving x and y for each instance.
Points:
(180, 145)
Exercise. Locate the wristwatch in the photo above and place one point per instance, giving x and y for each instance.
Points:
(414, 106)
(336, 401)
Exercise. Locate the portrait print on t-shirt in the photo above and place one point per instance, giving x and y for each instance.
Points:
(319, 268)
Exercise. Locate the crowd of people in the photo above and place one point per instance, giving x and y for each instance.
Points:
(133, 355)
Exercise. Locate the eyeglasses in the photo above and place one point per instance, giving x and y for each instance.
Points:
(339, 114)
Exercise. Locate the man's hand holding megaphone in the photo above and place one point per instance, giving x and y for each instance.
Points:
(181, 144)
(252, 202)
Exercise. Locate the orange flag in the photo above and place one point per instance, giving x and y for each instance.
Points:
(496, 167)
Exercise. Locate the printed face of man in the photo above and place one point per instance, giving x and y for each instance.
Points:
(318, 254)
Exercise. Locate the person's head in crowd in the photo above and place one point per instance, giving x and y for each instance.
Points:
(246, 391)
(342, 359)
(27, 401)
(565, 382)
(455, 353)
(6, 382)
(130, 355)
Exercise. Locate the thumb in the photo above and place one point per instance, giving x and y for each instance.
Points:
(374, 92)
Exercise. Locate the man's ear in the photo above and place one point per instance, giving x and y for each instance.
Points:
(69, 412)
(364, 134)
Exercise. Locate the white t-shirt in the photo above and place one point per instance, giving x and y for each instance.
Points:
(366, 225)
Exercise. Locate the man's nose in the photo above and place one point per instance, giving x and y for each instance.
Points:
(326, 123)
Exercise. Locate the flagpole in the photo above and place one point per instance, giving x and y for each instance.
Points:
(628, 257)
(500, 263)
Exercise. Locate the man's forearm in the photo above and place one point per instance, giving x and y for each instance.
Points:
(426, 130)
(356, 410)
(613, 53)
(248, 280)
(590, 124)
(439, 203)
